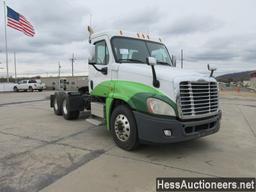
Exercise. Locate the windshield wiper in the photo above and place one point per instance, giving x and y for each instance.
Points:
(163, 63)
(131, 60)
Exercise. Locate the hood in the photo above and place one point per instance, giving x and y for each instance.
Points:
(164, 73)
(169, 77)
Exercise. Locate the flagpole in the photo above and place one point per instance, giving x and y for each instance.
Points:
(6, 46)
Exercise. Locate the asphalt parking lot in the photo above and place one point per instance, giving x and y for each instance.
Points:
(41, 151)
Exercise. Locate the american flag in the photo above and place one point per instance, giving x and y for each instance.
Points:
(19, 22)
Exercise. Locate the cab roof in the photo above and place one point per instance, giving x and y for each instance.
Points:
(121, 33)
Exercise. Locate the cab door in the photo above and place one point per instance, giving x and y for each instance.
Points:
(101, 62)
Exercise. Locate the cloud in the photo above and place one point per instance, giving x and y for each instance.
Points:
(56, 23)
(227, 48)
(192, 24)
(250, 55)
(213, 55)
(60, 30)
(205, 33)
(142, 19)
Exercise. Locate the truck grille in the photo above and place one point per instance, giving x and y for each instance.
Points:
(198, 99)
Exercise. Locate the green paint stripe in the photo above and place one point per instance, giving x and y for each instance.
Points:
(133, 93)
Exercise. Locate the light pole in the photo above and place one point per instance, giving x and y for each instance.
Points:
(72, 63)
(15, 68)
(59, 74)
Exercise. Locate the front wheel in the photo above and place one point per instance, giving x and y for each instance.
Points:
(31, 89)
(123, 128)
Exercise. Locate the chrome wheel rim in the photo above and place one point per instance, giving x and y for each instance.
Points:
(122, 128)
(65, 111)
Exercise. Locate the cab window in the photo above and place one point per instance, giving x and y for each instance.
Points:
(101, 53)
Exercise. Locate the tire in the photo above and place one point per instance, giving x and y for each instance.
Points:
(30, 89)
(15, 89)
(67, 114)
(123, 128)
(40, 90)
(56, 105)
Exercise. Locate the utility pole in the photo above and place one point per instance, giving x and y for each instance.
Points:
(72, 63)
(15, 67)
(181, 58)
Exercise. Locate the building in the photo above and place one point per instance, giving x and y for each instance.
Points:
(253, 80)
(70, 83)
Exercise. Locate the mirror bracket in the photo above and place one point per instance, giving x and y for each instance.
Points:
(103, 70)
(156, 82)
(152, 62)
(211, 70)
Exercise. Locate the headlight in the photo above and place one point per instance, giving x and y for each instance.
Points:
(159, 107)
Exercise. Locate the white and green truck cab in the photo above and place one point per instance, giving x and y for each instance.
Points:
(136, 90)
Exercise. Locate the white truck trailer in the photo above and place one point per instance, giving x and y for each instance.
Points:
(141, 97)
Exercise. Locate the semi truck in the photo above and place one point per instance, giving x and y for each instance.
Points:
(135, 90)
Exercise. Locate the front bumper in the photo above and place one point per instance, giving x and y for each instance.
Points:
(151, 128)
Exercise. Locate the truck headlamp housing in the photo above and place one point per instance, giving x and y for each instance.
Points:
(159, 107)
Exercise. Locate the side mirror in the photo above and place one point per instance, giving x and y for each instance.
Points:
(91, 54)
(211, 70)
(91, 62)
(151, 61)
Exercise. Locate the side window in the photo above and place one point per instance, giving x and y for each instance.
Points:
(101, 53)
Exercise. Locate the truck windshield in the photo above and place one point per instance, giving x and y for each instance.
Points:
(129, 50)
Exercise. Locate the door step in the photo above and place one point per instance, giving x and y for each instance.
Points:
(95, 121)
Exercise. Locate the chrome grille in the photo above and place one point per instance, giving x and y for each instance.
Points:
(198, 99)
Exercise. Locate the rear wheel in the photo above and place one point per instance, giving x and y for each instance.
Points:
(67, 114)
(123, 128)
(56, 106)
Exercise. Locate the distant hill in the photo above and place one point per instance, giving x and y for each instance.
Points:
(235, 77)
